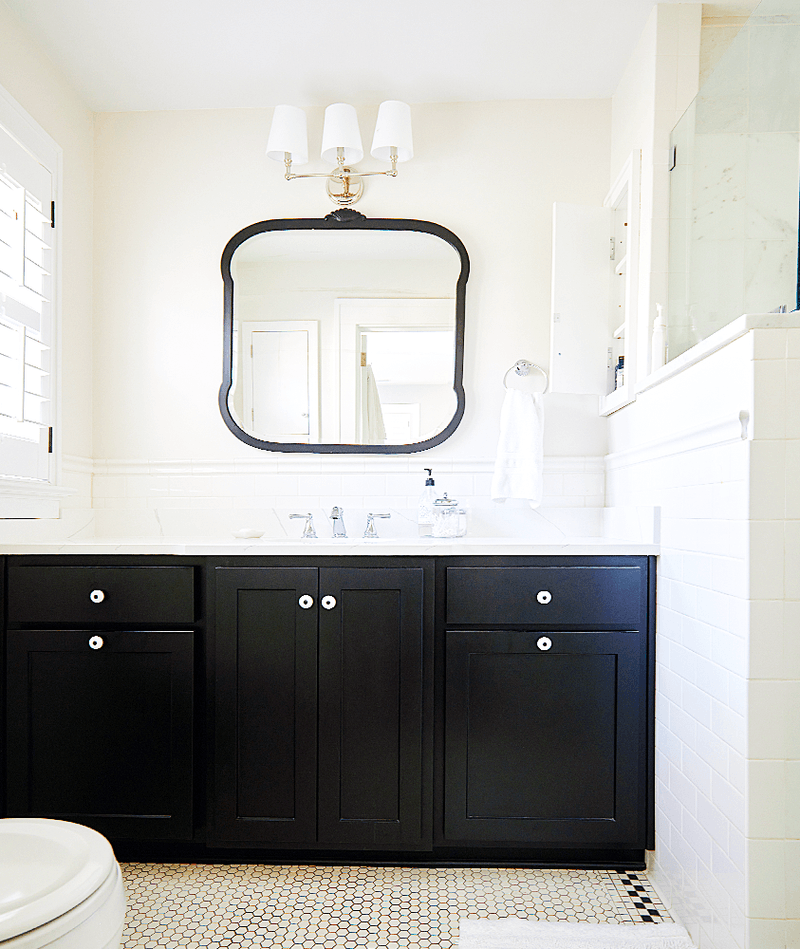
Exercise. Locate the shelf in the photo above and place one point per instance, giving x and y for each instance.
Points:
(617, 399)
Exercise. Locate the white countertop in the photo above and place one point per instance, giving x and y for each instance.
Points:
(422, 547)
(567, 532)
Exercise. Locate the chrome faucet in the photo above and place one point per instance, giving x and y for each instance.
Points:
(371, 531)
(308, 528)
(339, 529)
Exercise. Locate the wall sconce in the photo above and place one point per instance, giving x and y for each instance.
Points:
(341, 144)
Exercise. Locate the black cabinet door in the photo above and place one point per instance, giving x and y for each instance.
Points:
(318, 708)
(545, 738)
(265, 705)
(100, 730)
(371, 705)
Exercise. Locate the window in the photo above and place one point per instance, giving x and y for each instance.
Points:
(29, 162)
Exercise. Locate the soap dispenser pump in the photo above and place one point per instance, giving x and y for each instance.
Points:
(425, 509)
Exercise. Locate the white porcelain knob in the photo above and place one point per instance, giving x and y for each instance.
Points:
(306, 602)
(96, 642)
(97, 596)
(544, 643)
(328, 602)
(544, 597)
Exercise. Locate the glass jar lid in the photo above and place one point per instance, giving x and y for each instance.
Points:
(444, 502)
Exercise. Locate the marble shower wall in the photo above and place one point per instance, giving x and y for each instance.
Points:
(734, 189)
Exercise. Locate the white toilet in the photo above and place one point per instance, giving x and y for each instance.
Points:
(60, 887)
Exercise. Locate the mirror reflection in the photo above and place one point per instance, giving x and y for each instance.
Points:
(343, 339)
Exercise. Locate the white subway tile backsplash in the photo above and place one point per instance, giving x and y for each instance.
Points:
(729, 726)
(792, 718)
(771, 344)
(767, 724)
(697, 703)
(698, 838)
(770, 395)
(766, 799)
(768, 933)
(698, 772)
(713, 749)
(713, 820)
(767, 480)
(766, 560)
(793, 799)
(729, 575)
(729, 874)
(729, 651)
(767, 658)
(792, 407)
(791, 540)
(766, 895)
(714, 680)
(713, 608)
(317, 484)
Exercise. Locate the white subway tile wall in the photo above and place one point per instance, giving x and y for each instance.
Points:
(728, 646)
(161, 498)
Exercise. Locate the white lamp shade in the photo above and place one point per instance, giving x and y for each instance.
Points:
(341, 131)
(288, 134)
(393, 129)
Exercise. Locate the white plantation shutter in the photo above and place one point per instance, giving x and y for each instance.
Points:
(26, 309)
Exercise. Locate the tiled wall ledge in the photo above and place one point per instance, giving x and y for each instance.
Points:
(722, 337)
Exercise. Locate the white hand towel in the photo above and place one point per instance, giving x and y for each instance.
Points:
(373, 430)
(518, 468)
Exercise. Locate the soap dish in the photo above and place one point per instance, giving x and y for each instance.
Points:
(248, 533)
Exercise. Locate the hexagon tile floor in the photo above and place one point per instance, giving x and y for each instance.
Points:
(190, 906)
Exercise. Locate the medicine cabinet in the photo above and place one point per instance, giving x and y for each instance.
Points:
(594, 294)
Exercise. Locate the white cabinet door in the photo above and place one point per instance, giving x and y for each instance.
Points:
(580, 299)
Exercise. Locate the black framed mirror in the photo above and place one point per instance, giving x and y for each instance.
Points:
(343, 334)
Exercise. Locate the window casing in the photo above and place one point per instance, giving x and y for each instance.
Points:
(29, 177)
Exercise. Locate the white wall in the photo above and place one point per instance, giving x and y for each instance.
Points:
(171, 189)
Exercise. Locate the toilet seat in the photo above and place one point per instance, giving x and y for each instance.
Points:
(53, 875)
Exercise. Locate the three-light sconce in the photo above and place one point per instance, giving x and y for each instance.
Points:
(341, 145)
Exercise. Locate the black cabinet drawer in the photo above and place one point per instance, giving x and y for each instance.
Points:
(584, 596)
(45, 594)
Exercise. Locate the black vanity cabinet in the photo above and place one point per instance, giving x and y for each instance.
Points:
(475, 709)
(319, 710)
(99, 712)
(547, 708)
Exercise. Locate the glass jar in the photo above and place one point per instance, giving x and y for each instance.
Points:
(449, 520)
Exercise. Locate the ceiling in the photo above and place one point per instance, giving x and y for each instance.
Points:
(122, 55)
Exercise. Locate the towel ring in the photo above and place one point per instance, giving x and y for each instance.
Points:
(522, 368)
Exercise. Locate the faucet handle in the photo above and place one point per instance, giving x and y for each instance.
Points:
(308, 527)
(370, 531)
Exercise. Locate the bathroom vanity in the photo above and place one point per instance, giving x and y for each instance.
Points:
(476, 708)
